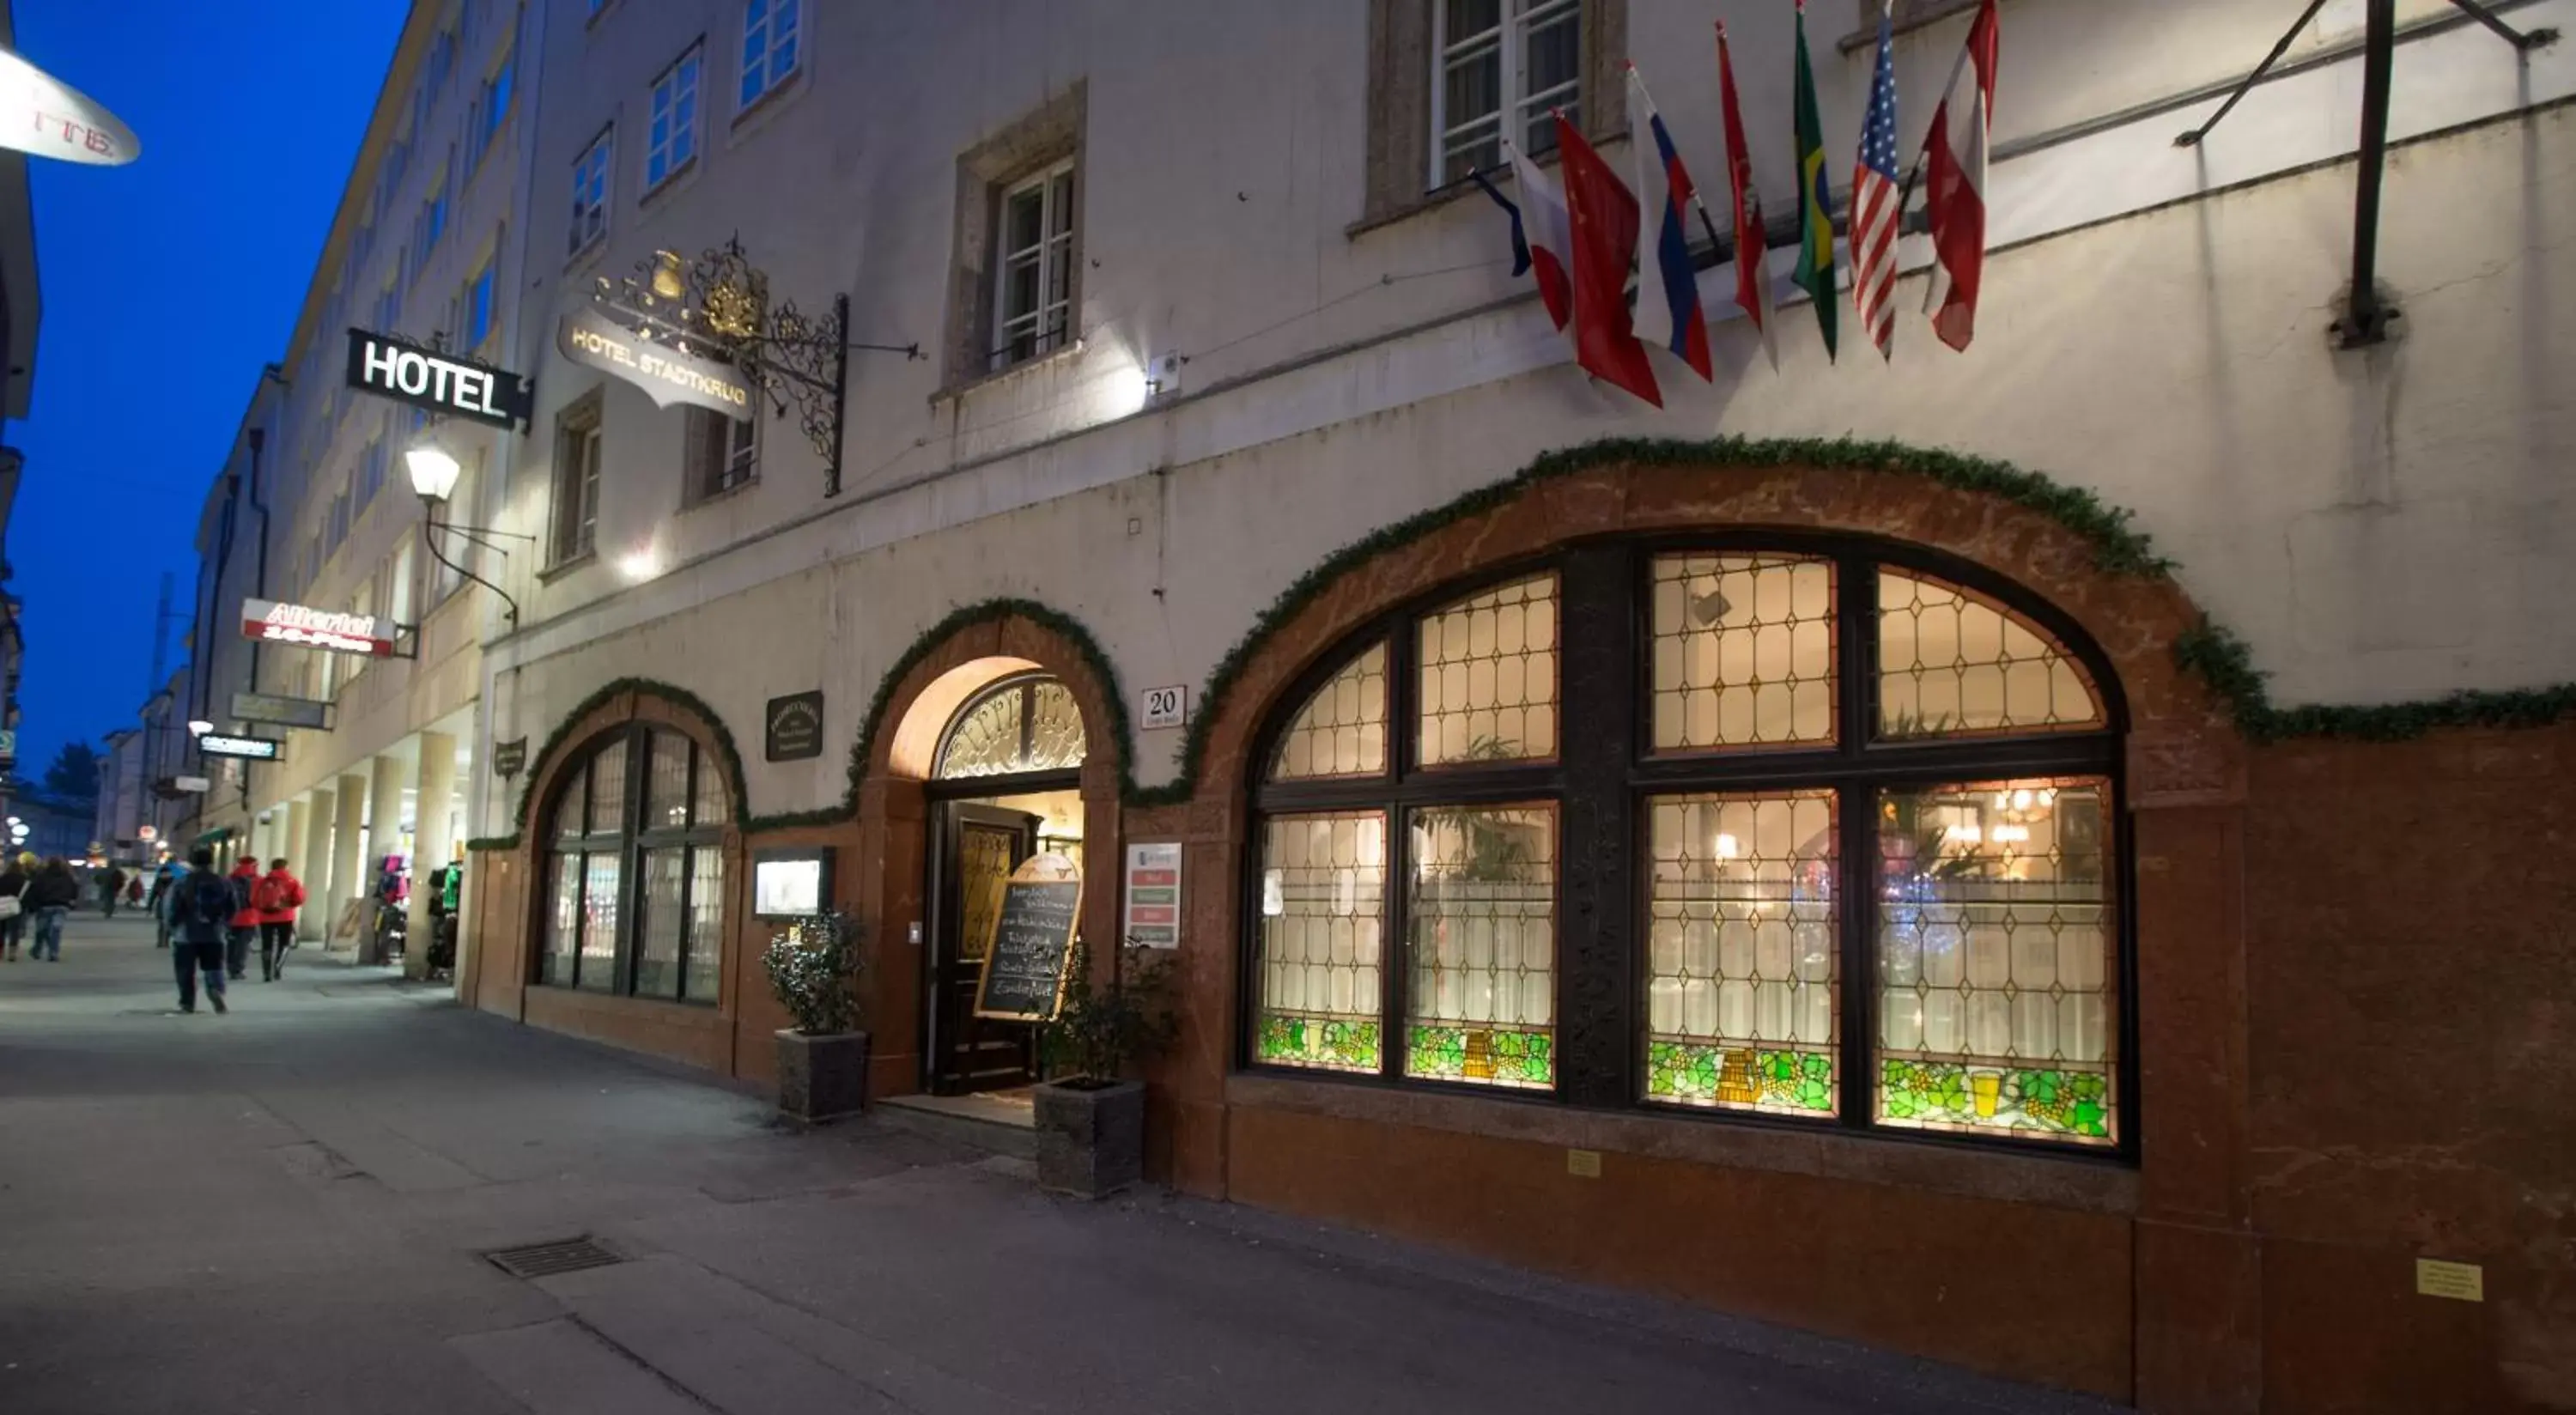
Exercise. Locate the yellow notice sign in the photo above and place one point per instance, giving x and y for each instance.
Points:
(1583, 1164)
(2461, 1282)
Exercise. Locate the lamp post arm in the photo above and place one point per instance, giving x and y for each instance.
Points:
(429, 523)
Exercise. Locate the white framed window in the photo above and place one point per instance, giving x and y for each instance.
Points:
(1033, 294)
(722, 453)
(1498, 67)
(671, 142)
(398, 587)
(590, 191)
(576, 491)
(773, 35)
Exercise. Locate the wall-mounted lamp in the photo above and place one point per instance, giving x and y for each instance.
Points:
(199, 727)
(434, 471)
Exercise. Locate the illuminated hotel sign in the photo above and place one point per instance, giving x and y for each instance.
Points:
(441, 383)
(664, 373)
(274, 623)
(255, 749)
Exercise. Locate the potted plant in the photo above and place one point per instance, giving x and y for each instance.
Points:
(813, 966)
(1090, 1117)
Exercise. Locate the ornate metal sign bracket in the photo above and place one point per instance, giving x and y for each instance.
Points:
(717, 307)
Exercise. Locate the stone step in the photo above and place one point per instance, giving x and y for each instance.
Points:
(1003, 1122)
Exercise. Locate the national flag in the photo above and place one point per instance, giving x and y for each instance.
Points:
(1815, 272)
(1603, 216)
(1876, 205)
(1955, 198)
(1668, 311)
(1549, 253)
(1752, 239)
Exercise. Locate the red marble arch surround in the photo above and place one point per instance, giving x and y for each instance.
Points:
(2186, 779)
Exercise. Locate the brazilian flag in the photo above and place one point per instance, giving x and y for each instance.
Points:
(1815, 273)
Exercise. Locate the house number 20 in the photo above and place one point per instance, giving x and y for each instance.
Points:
(1166, 707)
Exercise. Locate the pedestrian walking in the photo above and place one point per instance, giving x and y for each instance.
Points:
(111, 882)
(203, 902)
(169, 874)
(13, 915)
(243, 930)
(278, 896)
(52, 894)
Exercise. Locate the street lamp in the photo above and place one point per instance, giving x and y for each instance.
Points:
(199, 727)
(434, 471)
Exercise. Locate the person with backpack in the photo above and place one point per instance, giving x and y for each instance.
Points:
(51, 895)
(203, 903)
(244, 927)
(277, 898)
(13, 887)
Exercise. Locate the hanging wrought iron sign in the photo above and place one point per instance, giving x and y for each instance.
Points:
(705, 333)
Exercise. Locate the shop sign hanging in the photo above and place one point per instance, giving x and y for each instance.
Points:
(438, 381)
(279, 710)
(795, 727)
(249, 749)
(42, 115)
(665, 374)
(272, 622)
(510, 758)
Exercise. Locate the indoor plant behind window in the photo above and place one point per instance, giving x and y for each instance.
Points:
(1090, 1117)
(813, 966)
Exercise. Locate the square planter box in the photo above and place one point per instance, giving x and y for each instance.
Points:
(820, 1078)
(1091, 1140)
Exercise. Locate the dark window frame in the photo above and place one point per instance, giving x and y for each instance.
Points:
(630, 840)
(1602, 782)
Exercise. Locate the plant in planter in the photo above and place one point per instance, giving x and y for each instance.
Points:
(813, 966)
(1090, 1117)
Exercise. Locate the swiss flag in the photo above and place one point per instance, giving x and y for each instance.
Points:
(1603, 214)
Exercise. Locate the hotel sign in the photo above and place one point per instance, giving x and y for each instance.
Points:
(441, 383)
(665, 374)
(41, 114)
(271, 622)
(251, 749)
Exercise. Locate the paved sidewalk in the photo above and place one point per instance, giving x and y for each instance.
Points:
(283, 1210)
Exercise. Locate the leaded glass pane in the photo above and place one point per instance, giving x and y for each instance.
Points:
(598, 964)
(1341, 731)
(1741, 946)
(1055, 728)
(713, 806)
(569, 812)
(1488, 673)
(706, 925)
(1995, 959)
(1481, 957)
(657, 953)
(563, 922)
(1743, 651)
(608, 788)
(1951, 662)
(1323, 921)
(666, 787)
(986, 739)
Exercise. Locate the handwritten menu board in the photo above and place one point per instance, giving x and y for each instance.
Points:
(1032, 941)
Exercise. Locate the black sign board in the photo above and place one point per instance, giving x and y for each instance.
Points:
(1032, 943)
(282, 711)
(442, 383)
(795, 727)
(511, 757)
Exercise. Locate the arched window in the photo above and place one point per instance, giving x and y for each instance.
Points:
(635, 874)
(1800, 828)
(1021, 724)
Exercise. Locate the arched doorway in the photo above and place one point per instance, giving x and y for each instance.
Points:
(1005, 784)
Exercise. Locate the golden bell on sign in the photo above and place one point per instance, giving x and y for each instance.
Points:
(666, 275)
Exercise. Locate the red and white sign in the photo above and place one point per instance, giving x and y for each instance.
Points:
(271, 622)
(1154, 895)
(41, 114)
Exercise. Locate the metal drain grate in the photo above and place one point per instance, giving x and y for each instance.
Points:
(564, 1255)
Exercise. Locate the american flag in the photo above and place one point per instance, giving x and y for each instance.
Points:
(1875, 199)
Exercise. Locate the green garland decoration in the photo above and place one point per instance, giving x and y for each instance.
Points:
(557, 740)
(2226, 663)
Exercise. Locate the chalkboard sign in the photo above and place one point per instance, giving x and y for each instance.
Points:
(1032, 941)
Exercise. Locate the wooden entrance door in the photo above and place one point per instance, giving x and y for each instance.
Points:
(981, 845)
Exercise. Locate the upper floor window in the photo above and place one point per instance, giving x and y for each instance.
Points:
(478, 307)
(492, 105)
(1033, 297)
(442, 62)
(772, 46)
(576, 488)
(721, 452)
(1500, 67)
(1863, 810)
(672, 141)
(590, 191)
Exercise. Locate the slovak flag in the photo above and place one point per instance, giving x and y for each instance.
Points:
(1955, 195)
(1542, 239)
(1668, 311)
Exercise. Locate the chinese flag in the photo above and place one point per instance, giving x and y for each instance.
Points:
(1603, 213)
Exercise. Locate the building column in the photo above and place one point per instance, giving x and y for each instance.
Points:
(314, 923)
(350, 878)
(292, 828)
(433, 784)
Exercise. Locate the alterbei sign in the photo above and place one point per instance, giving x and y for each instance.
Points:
(271, 622)
(666, 374)
(442, 383)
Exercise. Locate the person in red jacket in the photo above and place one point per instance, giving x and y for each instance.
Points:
(277, 897)
(244, 926)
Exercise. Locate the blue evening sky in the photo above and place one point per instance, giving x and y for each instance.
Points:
(167, 284)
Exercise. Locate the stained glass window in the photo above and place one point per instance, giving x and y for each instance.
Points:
(1951, 662)
(1480, 963)
(657, 959)
(1322, 935)
(1741, 946)
(1341, 731)
(1019, 725)
(1488, 676)
(703, 968)
(666, 792)
(1995, 959)
(1743, 651)
(563, 923)
(636, 901)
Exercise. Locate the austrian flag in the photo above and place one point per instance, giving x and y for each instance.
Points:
(1668, 311)
(1955, 192)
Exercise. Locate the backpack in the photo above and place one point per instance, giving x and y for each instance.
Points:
(269, 895)
(210, 901)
